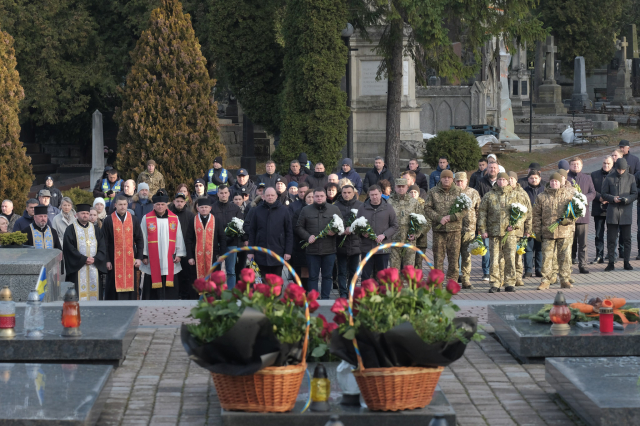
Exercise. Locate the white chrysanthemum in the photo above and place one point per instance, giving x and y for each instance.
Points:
(360, 223)
(336, 223)
(519, 207)
(354, 211)
(420, 218)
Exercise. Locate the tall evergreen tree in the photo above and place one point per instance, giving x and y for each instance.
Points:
(168, 113)
(15, 168)
(314, 108)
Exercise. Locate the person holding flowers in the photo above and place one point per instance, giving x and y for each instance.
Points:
(504, 221)
(447, 226)
(349, 243)
(522, 243)
(584, 184)
(555, 231)
(409, 225)
(318, 225)
(468, 233)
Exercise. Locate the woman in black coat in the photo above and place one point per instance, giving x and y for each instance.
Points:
(299, 256)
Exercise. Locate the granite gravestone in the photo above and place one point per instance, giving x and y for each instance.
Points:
(20, 270)
(531, 342)
(623, 94)
(107, 332)
(97, 147)
(602, 391)
(53, 394)
(519, 82)
(632, 52)
(349, 415)
(580, 98)
(550, 93)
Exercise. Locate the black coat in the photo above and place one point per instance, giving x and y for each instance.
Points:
(268, 180)
(351, 245)
(623, 186)
(473, 180)
(313, 219)
(483, 186)
(270, 227)
(534, 192)
(299, 255)
(140, 209)
(421, 179)
(382, 219)
(185, 217)
(223, 213)
(56, 196)
(598, 177)
(633, 163)
(317, 180)
(373, 177)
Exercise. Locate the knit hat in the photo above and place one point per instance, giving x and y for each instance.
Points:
(513, 175)
(142, 186)
(621, 164)
(218, 160)
(292, 183)
(151, 162)
(446, 173)
(461, 176)
(414, 187)
(197, 181)
(556, 176)
(563, 172)
(99, 200)
(563, 164)
(503, 176)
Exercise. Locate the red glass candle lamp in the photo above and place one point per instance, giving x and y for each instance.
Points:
(606, 316)
(7, 314)
(560, 315)
(71, 314)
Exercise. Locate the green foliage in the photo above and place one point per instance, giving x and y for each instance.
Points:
(314, 107)
(241, 37)
(460, 147)
(582, 28)
(542, 316)
(15, 166)
(79, 196)
(59, 58)
(13, 238)
(167, 112)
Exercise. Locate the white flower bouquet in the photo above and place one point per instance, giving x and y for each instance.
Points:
(336, 226)
(516, 212)
(234, 228)
(361, 226)
(462, 202)
(350, 219)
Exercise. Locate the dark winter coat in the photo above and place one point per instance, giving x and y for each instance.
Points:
(306, 166)
(587, 188)
(373, 177)
(299, 255)
(313, 219)
(421, 179)
(223, 213)
(56, 196)
(268, 180)
(598, 177)
(473, 180)
(434, 178)
(291, 177)
(140, 207)
(185, 217)
(270, 227)
(317, 180)
(249, 186)
(623, 186)
(633, 163)
(534, 192)
(382, 219)
(25, 221)
(351, 245)
(352, 175)
(483, 186)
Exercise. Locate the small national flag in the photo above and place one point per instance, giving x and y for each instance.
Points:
(41, 286)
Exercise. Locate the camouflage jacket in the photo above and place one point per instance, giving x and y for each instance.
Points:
(495, 213)
(525, 201)
(470, 221)
(155, 181)
(549, 207)
(404, 205)
(438, 204)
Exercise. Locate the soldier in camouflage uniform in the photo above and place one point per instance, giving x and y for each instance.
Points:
(468, 233)
(550, 206)
(403, 204)
(567, 186)
(525, 201)
(151, 177)
(421, 242)
(446, 238)
(493, 223)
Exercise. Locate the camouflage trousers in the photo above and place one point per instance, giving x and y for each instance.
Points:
(466, 240)
(505, 254)
(560, 249)
(422, 245)
(519, 268)
(447, 243)
(400, 259)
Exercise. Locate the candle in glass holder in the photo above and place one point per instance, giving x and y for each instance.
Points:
(7, 314)
(560, 315)
(71, 314)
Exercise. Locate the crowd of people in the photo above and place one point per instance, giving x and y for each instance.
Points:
(134, 241)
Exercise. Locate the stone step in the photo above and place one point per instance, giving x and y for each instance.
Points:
(541, 128)
(32, 147)
(43, 169)
(39, 158)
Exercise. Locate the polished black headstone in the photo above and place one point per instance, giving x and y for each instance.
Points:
(107, 333)
(52, 394)
(530, 341)
(602, 391)
(349, 415)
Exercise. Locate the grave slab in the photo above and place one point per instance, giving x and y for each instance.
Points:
(349, 415)
(20, 269)
(52, 394)
(602, 391)
(531, 342)
(107, 333)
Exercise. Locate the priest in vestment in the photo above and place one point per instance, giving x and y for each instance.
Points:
(39, 234)
(207, 238)
(163, 248)
(85, 255)
(125, 244)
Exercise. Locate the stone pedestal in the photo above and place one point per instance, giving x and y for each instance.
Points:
(623, 94)
(97, 148)
(369, 99)
(579, 98)
(550, 100)
(20, 270)
(519, 82)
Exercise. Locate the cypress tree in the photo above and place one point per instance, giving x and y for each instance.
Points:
(168, 113)
(314, 108)
(15, 168)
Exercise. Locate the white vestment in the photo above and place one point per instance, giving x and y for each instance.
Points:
(163, 246)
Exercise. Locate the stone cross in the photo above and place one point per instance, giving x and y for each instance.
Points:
(624, 45)
(550, 49)
(97, 148)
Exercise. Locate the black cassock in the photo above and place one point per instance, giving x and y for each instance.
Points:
(74, 260)
(138, 242)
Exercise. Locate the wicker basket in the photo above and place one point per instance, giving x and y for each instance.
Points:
(394, 388)
(272, 389)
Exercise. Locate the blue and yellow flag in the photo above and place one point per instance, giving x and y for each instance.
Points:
(41, 286)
